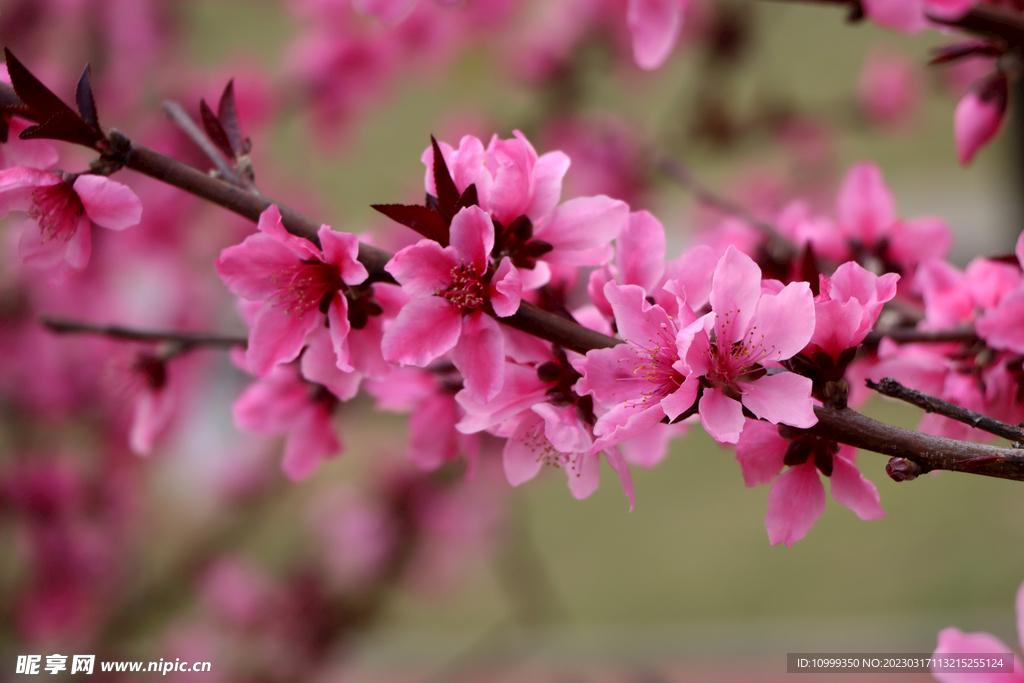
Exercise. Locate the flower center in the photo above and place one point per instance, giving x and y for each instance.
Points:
(466, 291)
(653, 361)
(305, 286)
(56, 208)
(739, 361)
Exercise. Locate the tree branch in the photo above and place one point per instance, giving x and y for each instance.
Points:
(931, 404)
(982, 20)
(910, 335)
(183, 339)
(178, 114)
(842, 425)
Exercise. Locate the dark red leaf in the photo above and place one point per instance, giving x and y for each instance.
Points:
(4, 129)
(227, 114)
(447, 193)
(66, 126)
(958, 51)
(36, 96)
(428, 223)
(215, 130)
(85, 101)
(468, 198)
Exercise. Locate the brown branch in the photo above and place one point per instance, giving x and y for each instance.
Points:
(182, 339)
(910, 335)
(982, 20)
(929, 452)
(842, 425)
(931, 404)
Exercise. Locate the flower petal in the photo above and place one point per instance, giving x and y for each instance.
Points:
(655, 25)
(795, 503)
(425, 329)
(760, 452)
(480, 356)
(851, 489)
(472, 237)
(108, 203)
(784, 397)
(277, 336)
(423, 267)
(721, 416)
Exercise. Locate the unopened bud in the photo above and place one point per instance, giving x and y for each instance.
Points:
(901, 469)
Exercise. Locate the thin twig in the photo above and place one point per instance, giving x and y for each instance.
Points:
(178, 114)
(183, 339)
(931, 404)
(842, 425)
(910, 335)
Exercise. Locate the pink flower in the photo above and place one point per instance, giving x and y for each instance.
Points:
(298, 285)
(1002, 326)
(847, 308)
(655, 25)
(452, 288)
(979, 116)
(889, 90)
(551, 435)
(953, 641)
(644, 380)
(63, 212)
(283, 403)
(521, 192)
(797, 497)
(745, 331)
(866, 216)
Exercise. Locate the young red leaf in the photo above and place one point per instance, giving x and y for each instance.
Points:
(36, 96)
(447, 193)
(215, 130)
(227, 114)
(426, 222)
(85, 101)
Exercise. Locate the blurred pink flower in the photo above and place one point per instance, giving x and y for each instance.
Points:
(953, 641)
(979, 116)
(889, 91)
(63, 212)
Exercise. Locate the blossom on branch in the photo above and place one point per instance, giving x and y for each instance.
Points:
(63, 210)
(299, 286)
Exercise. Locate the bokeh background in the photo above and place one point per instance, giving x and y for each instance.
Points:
(761, 103)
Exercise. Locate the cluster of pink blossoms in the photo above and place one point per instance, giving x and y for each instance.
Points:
(704, 337)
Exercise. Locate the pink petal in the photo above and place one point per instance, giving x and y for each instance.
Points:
(584, 473)
(900, 15)
(694, 270)
(640, 251)
(320, 365)
(386, 11)
(512, 190)
(735, 291)
(108, 203)
(949, 9)
(864, 206)
(523, 454)
(851, 489)
(272, 406)
(79, 246)
(248, 269)
(364, 349)
(424, 330)
(618, 463)
(655, 25)
(721, 416)
(1002, 327)
(277, 337)
(599, 277)
(547, 183)
(270, 224)
(340, 327)
(795, 502)
(153, 411)
(581, 229)
(310, 441)
(647, 449)
(760, 452)
(480, 356)
(784, 323)
(506, 289)
(954, 641)
(637, 320)
(625, 421)
(423, 267)
(432, 436)
(1020, 617)
(563, 428)
(784, 397)
(919, 239)
(341, 249)
(976, 121)
(472, 237)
